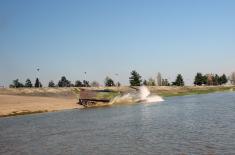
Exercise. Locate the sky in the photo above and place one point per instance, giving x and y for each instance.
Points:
(108, 37)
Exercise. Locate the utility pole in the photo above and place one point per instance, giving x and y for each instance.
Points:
(85, 82)
(38, 69)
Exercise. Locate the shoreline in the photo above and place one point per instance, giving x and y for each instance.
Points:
(24, 101)
(14, 105)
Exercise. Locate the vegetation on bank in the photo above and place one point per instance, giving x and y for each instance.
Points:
(135, 79)
(196, 90)
(210, 79)
(168, 91)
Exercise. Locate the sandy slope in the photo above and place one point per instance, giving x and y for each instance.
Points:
(10, 104)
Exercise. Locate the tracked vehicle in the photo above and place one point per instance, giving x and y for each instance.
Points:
(89, 98)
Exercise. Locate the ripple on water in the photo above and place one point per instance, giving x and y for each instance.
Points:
(197, 124)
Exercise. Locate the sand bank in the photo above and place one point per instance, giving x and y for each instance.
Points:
(11, 105)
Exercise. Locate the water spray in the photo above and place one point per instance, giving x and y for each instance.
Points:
(141, 95)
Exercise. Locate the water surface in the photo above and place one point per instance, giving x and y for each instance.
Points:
(198, 124)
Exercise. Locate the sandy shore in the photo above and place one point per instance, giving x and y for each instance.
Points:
(17, 105)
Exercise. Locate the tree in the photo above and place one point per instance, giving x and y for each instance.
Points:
(232, 78)
(223, 79)
(118, 84)
(145, 83)
(78, 83)
(28, 83)
(165, 82)
(204, 80)
(16, 84)
(199, 79)
(95, 84)
(85, 83)
(209, 79)
(179, 81)
(159, 79)
(51, 84)
(37, 83)
(108, 82)
(64, 82)
(215, 79)
(151, 82)
(135, 79)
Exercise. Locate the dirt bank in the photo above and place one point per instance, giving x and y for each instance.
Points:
(17, 105)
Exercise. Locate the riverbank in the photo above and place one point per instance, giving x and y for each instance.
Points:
(168, 91)
(12, 105)
(23, 101)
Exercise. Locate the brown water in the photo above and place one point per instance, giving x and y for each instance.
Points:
(198, 124)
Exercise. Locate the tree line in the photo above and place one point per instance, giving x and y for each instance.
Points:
(210, 79)
(135, 79)
(17, 84)
(200, 79)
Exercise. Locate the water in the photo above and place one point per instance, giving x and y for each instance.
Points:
(199, 124)
(142, 95)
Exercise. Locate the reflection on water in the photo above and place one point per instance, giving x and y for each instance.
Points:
(203, 124)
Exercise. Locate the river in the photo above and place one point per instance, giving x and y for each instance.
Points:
(196, 124)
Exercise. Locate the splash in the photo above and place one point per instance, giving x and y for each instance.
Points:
(143, 92)
(142, 95)
(146, 96)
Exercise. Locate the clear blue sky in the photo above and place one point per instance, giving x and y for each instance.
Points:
(104, 37)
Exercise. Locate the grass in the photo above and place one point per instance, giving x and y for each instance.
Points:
(195, 90)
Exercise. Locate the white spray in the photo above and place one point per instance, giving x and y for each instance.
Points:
(143, 95)
(147, 97)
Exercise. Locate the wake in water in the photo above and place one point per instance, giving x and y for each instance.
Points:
(142, 95)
